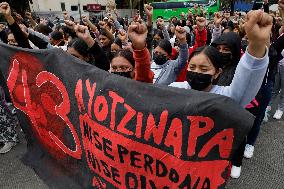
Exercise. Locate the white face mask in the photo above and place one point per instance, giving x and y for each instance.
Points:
(282, 53)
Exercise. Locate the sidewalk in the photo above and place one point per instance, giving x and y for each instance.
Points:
(263, 171)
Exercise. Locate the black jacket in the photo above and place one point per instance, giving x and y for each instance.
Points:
(101, 59)
(19, 36)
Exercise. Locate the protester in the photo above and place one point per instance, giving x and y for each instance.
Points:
(166, 70)
(229, 45)
(134, 65)
(258, 106)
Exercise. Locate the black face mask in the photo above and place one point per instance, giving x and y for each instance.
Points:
(198, 81)
(123, 74)
(226, 58)
(160, 59)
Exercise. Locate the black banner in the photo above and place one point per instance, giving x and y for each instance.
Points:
(87, 128)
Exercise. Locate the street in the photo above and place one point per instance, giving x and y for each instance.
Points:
(264, 170)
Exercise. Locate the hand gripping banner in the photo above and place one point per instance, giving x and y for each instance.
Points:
(87, 128)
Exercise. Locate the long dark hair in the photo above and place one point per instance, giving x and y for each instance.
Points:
(211, 52)
(127, 54)
(80, 46)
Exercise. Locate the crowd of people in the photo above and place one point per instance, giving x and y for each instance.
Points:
(239, 56)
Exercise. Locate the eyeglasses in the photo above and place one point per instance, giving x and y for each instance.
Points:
(121, 69)
(11, 41)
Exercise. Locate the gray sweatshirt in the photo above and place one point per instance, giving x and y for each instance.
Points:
(42, 36)
(246, 82)
(216, 32)
(167, 73)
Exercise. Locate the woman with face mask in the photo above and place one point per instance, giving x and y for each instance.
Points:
(205, 64)
(229, 45)
(166, 70)
(134, 65)
(123, 64)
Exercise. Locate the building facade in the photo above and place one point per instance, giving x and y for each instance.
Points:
(63, 5)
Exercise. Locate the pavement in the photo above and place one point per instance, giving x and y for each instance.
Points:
(263, 171)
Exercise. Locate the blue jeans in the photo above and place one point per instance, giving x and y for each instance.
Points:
(266, 93)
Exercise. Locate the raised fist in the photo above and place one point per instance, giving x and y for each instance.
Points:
(258, 26)
(137, 33)
(122, 35)
(83, 33)
(5, 9)
(102, 24)
(148, 10)
(217, 19)
(181, 34)
(69, 24)
(43, 21)
(258, 29)
(85, 20)
(200, 22)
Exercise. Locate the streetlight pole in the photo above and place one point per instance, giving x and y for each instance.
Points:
(80, 13)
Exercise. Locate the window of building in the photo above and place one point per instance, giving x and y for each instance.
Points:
(63, 8)
(74, 8)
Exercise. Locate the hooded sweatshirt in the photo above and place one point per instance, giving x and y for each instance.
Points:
(233, 41)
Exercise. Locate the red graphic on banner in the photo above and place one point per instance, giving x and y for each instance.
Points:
(44, 99)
